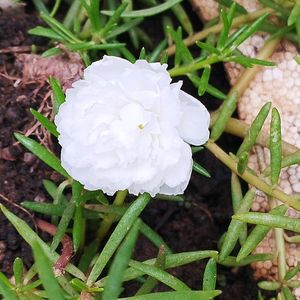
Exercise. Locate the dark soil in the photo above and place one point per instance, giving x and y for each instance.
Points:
(197, 224)
(21, 173)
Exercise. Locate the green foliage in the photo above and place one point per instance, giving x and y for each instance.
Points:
(226, 111)
(52, 288)
(63, 224)
(92, 8)
(251, 137)
(160, 275)
(254, 130)
(275, 146)
(243, 161)
(269, 220)
(209, 88)
(191, 295)
(182, 54)
(183, 18)
(45, 122)
(48, 209)
(230, 261)
(113, 287)
(171, 261)
(40, 6)
(118, 235)
(228, 3)
(269, 286)
(6, 288)
(79, 227)
(93, 28)
(226, 48)
(236, 226)
(42, 153)
(113, 20)
(287, 293)
(18, 268)
(31, 237)
(258, 234)
(210, 275)
(58, 94)
(203, 84)
(199, 169)
(151, 282)
(292, 272)
(148, 12)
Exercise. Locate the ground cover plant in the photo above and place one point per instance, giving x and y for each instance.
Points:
(114, 177)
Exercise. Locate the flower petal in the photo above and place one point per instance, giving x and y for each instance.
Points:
(108, 68)
(193, 127)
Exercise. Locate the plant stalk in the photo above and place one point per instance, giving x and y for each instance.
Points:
(280, 246)
(252, 179)
(110, 218)
(183, 70)
(240, 20)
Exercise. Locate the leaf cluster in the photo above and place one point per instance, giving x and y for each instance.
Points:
(87, 29)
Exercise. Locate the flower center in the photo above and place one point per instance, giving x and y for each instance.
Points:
(141, 126)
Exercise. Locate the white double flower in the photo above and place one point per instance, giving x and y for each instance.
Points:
(126, 126)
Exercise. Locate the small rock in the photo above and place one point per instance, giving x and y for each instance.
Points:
(6, 154)
(2, 247)
(11, 114)
(29, 158)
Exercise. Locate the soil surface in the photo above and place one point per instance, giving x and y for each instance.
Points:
(197, 224)
(21, 173)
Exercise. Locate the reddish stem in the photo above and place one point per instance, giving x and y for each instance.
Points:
(67, 246)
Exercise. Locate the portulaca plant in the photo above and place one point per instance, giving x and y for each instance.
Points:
(126, 126)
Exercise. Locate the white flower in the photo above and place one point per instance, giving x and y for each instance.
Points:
(125, 126)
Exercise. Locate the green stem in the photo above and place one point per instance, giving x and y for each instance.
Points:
(55, 8)
(280, 246)
(58, 197)
(110, 218)
(182, 70)
(252, 179)
(240, 20)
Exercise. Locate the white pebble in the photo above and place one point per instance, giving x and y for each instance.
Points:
(267, 75)
(277, 73)
(296, 187)
(291, 64)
